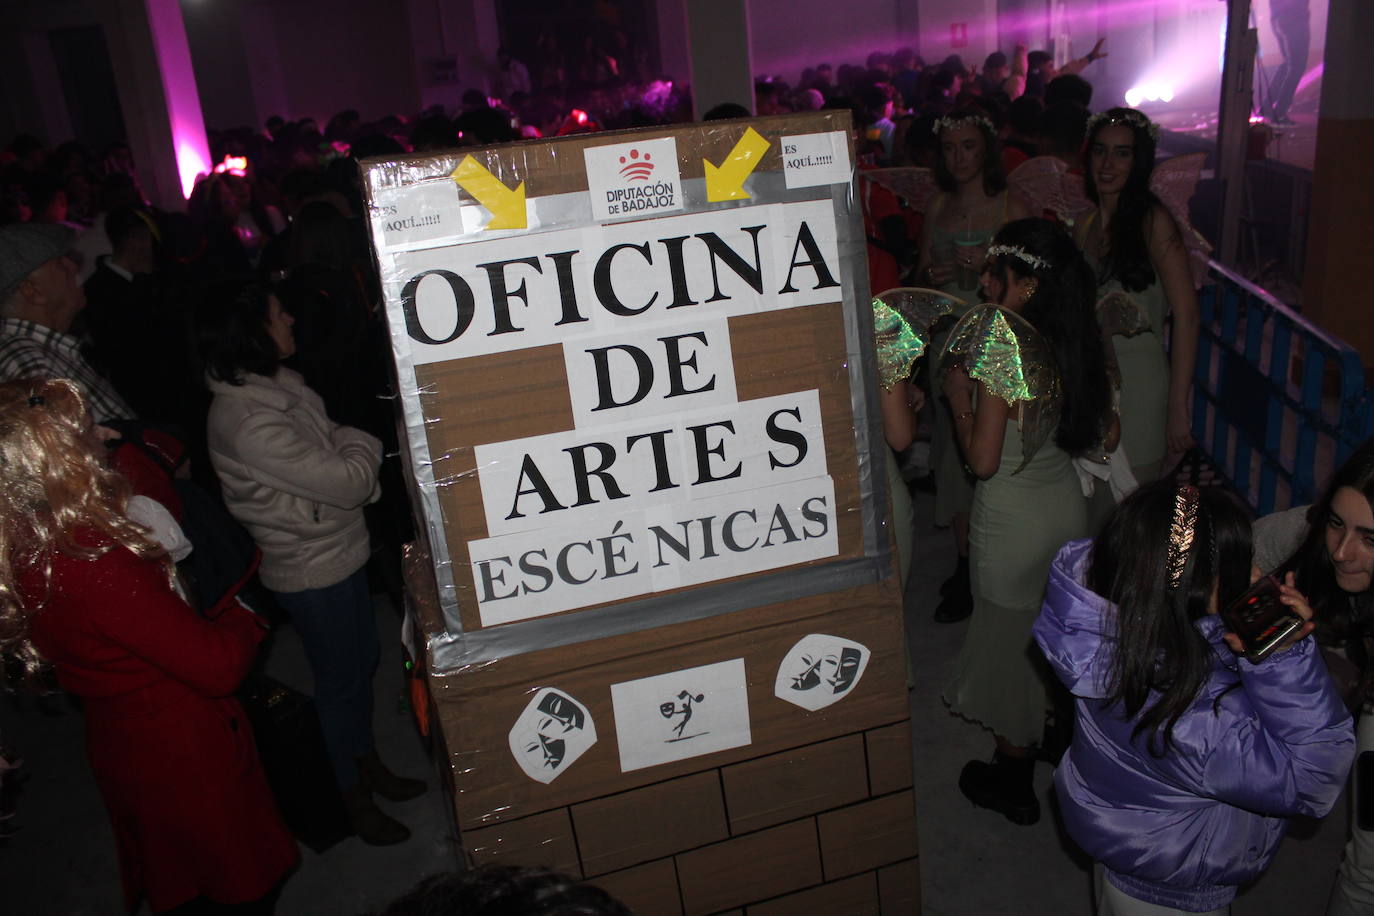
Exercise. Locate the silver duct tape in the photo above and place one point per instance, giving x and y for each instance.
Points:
(450, 654)
(456, 648)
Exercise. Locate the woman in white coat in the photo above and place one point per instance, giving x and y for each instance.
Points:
(298, 482)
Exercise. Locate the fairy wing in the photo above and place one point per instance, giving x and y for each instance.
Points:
(1174, 181)
(915, 185)
(902, 322)
(1004, 352)
(1119, 314)
(1046, 186)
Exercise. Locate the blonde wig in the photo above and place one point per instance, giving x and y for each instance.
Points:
(54, 483)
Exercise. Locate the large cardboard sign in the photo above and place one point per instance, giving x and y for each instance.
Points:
(631, 368)
(662, 624)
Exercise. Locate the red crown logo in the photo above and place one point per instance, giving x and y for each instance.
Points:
(636, 168)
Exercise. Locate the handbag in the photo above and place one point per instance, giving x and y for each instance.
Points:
(296, 761)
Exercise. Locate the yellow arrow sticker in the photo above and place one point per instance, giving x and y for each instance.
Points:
(726, 181)
(507, 207)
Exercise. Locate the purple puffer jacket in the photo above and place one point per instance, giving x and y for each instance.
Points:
(1188, 829)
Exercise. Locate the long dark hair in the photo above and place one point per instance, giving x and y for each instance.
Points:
(1062, 310)
(1128, 249)
(1158, 650)
(994, 176)
(1339, 614)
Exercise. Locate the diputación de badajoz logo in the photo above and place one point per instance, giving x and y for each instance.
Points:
(634, 179)
(635, 167)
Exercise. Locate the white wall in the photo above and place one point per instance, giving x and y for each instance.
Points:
(789, 35)
(979, 18)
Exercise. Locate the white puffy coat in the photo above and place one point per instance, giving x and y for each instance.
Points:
(295, 479)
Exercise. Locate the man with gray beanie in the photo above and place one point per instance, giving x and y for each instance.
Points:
(39, 298)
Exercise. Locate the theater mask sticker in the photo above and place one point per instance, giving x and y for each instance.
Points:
(552, 732)
(820, 670)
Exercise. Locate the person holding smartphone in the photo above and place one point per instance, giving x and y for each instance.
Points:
(1328, 547)
(1187, 759)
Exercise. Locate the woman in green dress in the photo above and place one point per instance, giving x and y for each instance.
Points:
(972, 204)
(1026, 381)
(1142, 267)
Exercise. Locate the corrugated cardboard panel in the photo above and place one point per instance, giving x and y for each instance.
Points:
(867, 835)
(795, 783)
(889, 758)
(481, 704)
(505, 396)
(556, 168)
(540, 839)
(753, 867)
(632, 827)
(648, 890)
(856, 896)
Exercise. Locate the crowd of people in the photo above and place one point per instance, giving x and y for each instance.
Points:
(220, 377)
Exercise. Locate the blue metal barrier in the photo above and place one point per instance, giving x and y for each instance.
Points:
(1278, 403)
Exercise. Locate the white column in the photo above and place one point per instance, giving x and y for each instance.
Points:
(718, 34)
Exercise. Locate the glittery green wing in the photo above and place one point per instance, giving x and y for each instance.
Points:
(1004, 352)
(902, 321)
(898, 345)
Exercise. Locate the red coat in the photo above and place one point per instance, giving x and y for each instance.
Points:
(170, 747)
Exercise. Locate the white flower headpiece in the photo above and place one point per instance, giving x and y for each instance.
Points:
(1132, 117)
(956, 120)
(1021, 254)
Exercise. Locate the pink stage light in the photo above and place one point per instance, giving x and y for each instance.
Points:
(1310, 77)
(191, 164)
(179, 91)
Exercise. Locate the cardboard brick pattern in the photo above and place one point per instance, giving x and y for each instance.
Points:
(674, 851)
(812, 809)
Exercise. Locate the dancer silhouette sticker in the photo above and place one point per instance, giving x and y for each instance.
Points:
(682, 714)
(820, 670)
(552, 732)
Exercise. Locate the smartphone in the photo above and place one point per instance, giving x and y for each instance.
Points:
(1260, 619)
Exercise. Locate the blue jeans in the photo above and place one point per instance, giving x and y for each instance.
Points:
(340, 637)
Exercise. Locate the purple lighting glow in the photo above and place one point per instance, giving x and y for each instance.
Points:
(179, 87)
(191, 163)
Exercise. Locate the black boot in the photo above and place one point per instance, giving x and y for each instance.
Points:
(370, 823)
(375, 776)
(957, 603)
(957, 579)
(1004, 785)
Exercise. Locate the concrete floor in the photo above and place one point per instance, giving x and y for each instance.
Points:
(973, 861)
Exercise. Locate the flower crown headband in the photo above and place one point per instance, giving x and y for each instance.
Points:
(948, 122)
(1134, 118)
(1021, 254)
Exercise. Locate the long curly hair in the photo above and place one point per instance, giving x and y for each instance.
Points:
(1128, 248)
(1062, 310)
(53, 484)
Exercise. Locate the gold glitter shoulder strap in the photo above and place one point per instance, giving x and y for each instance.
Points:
(1181, 532)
